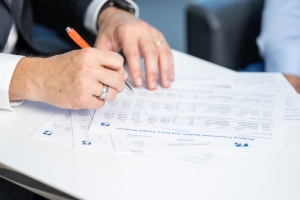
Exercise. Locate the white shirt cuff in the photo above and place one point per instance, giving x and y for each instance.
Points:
(8, 63)
(91, 16)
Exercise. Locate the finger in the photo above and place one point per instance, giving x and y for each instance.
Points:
(94, 103)
(110, 60)
(165, 62)
(111, 78)
(98, 91)
(104, 43)
(150, 54)
(172, 68)
(132, 54)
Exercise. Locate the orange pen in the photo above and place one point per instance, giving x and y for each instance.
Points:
(77, 38)
(83, 44)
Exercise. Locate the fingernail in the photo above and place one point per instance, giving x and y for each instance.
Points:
(125, 75)
(167, 83)
(139, 81)
(153, 85)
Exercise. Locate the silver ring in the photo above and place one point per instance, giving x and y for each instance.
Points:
(104, 92)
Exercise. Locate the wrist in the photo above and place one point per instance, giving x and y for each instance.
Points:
(109, 13)
(24, 83)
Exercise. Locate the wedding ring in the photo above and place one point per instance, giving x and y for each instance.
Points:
(104, 92)
(158, 41)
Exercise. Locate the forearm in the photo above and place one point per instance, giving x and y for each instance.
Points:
(24, 83)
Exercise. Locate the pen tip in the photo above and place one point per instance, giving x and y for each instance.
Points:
(128, 87)
(68, 29)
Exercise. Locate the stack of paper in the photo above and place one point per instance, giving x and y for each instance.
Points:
(196, 122)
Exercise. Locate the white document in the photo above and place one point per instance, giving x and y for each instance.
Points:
(237, 115)
(81, 120)
(58, 128)
(132, 142)
(254, 81)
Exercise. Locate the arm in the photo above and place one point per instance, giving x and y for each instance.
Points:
(279, 41)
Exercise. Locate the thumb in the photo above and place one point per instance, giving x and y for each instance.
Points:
(104, 43)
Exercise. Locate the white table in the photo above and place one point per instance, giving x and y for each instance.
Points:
(94, 175)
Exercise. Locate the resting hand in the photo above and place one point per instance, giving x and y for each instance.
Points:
(120, 29)
(73, 80)
(294, 81)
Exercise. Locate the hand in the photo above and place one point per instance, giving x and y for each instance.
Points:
(120, 29)
(294, 81)
(73, 80)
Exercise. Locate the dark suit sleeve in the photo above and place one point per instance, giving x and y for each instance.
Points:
(59, 14)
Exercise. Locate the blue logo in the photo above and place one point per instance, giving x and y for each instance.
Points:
(105, 124)
(241, 144)
(86, 142)
(46, 132)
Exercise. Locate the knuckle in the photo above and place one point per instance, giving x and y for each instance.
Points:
(79, 102)
(125, 28)
(81, 87)
(83, 69)
(143, 24)
(86, 52)
(119, 59)
(152, 74)
(114, 94)
(165, 71)
(119, 80)
(152, 52)
(133, 53)
(165, 52)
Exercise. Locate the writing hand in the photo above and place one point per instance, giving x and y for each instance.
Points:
(73, 80)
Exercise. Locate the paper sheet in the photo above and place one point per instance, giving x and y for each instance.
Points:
(81, 120)
(205, 112)
(254, 81)
(146, 143)
(58, 128)
(197, 122)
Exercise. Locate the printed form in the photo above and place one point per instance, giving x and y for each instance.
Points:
(257, 81)
(197, 122)
(235, 114)
(58, 128)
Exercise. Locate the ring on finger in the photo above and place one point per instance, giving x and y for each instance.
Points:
(158, 41)
(104, 92)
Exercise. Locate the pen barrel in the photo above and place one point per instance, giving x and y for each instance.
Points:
(78, 39)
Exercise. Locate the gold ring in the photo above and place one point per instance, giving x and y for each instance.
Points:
(158, 41)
